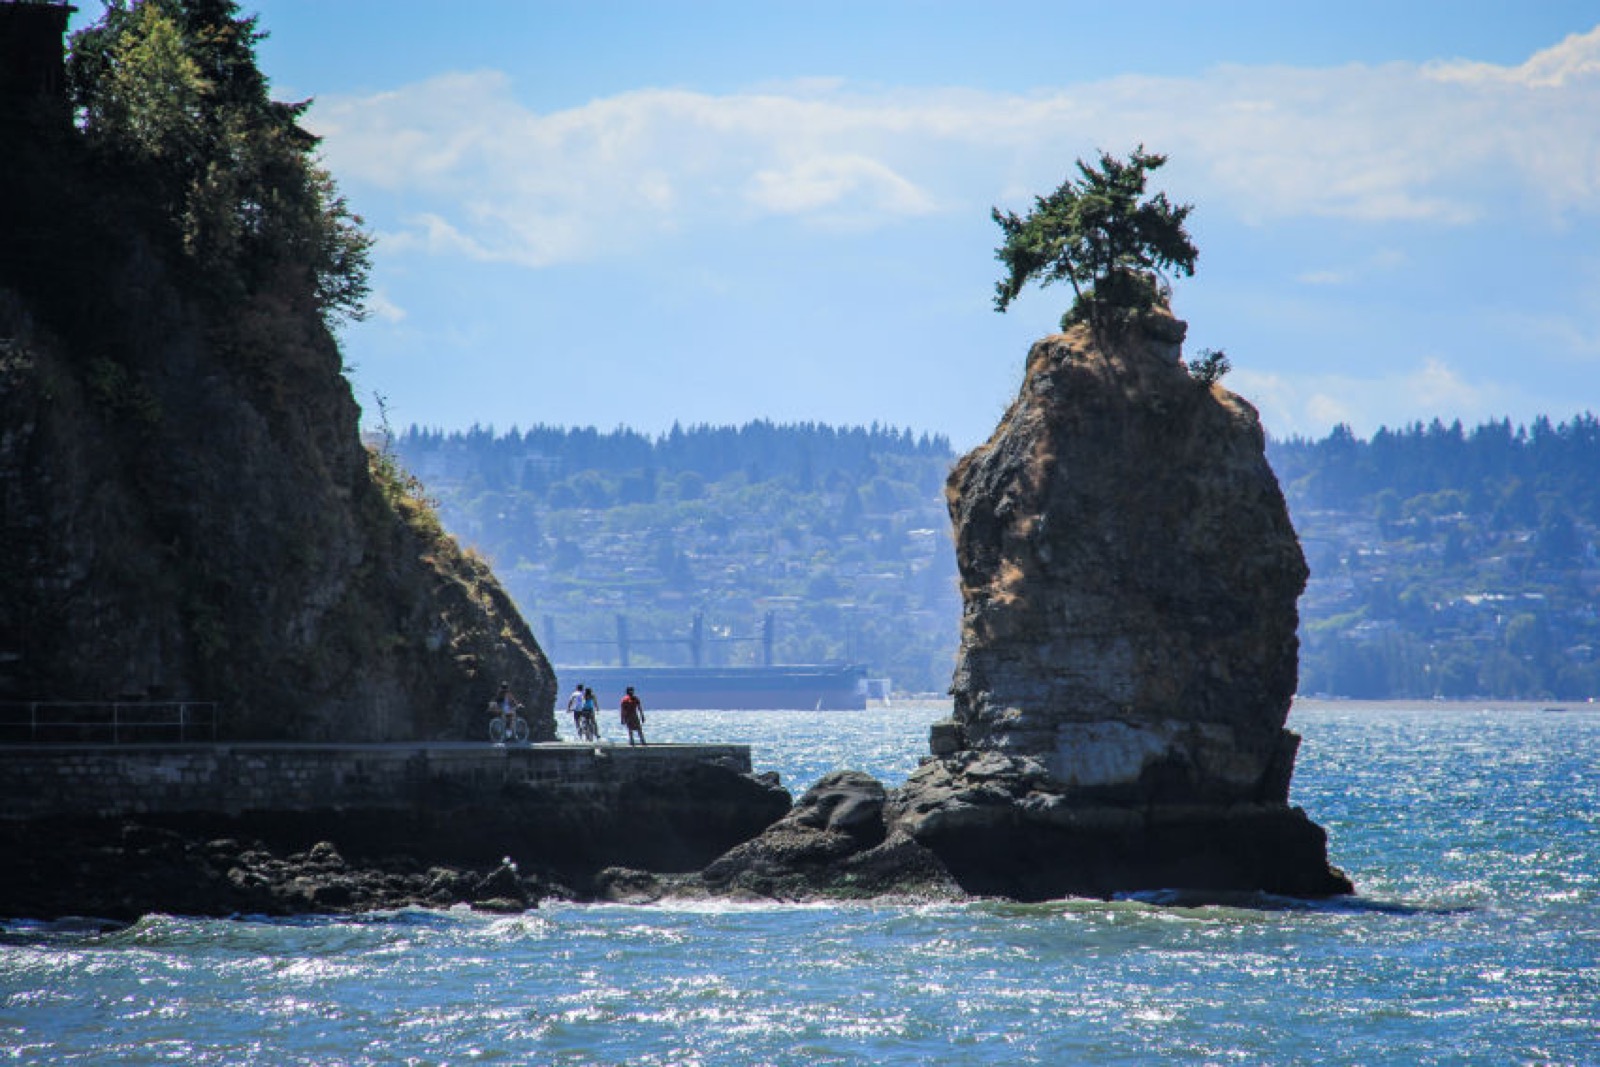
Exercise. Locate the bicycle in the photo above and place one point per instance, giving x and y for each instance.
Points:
(588, 729)
(506, 725)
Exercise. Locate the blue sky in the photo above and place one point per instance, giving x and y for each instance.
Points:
(633, 214)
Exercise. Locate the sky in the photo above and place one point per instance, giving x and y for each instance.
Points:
(607, 214)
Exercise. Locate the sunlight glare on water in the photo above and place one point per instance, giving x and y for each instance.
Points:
(1474, 838)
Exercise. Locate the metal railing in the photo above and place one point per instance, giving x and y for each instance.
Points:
(101, 722)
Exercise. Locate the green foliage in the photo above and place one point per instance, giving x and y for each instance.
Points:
(1101, 235)
(1437, 568)
(842, 533)
(122, 396)
(1209, 367)
(405, 495)
(171, 99)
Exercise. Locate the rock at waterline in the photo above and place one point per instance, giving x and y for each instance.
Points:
(834, 843)
(1128, 655)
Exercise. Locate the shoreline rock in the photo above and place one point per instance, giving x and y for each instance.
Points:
(1128, 657)
(1130, 579)
(121, 871)
(502, 852)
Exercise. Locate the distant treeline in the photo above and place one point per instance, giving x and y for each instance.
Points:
(1445, 561)
(765, 449)
(1450, 563)
(840, 535)
(1495, 470)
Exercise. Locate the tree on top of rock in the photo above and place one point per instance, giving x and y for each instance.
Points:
(1103, 236)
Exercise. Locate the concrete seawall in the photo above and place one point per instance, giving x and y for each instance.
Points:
(44, 781)
(120, 830)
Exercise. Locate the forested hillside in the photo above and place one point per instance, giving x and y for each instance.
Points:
(839, 535)
(1448, 562)
(1444, 562)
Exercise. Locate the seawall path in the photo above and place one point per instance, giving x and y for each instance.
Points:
(223, 828)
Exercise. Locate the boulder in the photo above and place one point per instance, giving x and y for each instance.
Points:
(624, 885)
(501, 884)
(834, 843)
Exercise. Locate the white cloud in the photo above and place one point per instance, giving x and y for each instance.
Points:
(482, 174)
(1384, 261)
(822, 182)
(380, 307)
(1311, 405)
(1575, 58)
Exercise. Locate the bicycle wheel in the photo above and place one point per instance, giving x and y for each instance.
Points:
(497, 730)
(520, 730)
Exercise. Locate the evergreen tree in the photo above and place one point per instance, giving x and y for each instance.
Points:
(1102, 236)
(170, 94)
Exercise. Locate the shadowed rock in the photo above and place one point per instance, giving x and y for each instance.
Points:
(1128, 655)
(832, 843)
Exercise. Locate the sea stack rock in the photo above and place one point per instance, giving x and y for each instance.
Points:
(1128, 654)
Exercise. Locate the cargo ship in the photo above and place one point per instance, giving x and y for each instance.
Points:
(803, 686)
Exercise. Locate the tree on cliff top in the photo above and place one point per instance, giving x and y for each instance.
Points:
(1101, 235)
(171, 99)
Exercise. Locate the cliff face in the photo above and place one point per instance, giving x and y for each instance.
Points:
(1128, 649)
(186, 509)
(1127, 662)
(1129, 575)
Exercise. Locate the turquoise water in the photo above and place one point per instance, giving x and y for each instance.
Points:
(1474, 837)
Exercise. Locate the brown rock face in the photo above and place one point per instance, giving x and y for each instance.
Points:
(186, 508)
(1128, 648)
(1127, 661)
(1130, 577)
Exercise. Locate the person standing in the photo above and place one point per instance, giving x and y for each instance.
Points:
(591, 715)
(575, 709)
(633, 716)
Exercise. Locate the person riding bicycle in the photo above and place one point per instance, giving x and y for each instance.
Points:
(506, 704)
(575, 709)
(591, 716)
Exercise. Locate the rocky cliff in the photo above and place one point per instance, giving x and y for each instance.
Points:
(1128, 657)
(1129, 576)
(186, 508)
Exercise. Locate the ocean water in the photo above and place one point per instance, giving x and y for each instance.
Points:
(1473, 836)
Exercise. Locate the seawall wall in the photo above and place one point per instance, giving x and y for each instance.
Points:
(223, 829)
(237, 779)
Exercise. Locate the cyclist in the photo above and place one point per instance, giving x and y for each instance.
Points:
(575, 709)
(591, 716)
(506, 704)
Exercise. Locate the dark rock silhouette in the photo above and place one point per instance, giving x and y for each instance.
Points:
(187, 511)
(523, 844)
(1128, 658)
(834, 842)
(1128, 653)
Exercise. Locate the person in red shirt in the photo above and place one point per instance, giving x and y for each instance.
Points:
(633, 716)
